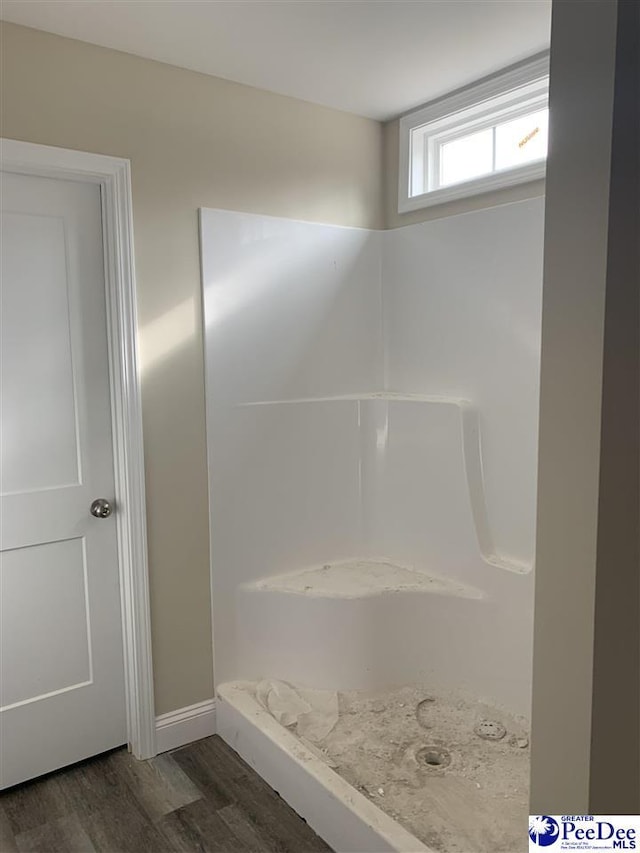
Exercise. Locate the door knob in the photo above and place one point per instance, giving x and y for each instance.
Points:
(101, 508)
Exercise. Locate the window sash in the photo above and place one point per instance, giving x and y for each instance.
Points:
(435, 142)
(514, 93)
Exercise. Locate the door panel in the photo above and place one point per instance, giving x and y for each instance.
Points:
(39, 447)
(61, 664)
(45, 653)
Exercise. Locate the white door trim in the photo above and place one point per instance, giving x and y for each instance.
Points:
(113, 176)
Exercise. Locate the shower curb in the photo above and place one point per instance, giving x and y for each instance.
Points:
(341, 815)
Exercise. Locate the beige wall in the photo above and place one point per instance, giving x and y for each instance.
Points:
(393, 219)
(615, 719)
(193, 141)
(585, 738)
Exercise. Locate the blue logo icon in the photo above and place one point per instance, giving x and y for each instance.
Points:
(543, 830)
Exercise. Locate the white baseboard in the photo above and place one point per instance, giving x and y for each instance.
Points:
(185, 725)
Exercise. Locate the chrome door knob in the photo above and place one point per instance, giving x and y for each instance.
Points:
(101, 508)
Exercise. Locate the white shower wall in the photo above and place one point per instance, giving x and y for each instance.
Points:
(325, 349)
(462, 315)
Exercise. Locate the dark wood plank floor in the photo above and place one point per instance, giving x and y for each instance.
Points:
(201, 797)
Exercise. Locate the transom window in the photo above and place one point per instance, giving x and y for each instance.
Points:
(488, 136)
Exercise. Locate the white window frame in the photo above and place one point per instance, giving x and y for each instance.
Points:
(517, 91)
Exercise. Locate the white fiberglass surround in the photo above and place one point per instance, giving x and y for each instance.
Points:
(372, 398)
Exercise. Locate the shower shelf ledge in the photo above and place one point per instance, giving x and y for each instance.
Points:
(360, 579)
(391, 396)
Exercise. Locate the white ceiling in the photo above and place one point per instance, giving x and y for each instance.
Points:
(376, 58)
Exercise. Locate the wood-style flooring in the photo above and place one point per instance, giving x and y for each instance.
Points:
(201, 797)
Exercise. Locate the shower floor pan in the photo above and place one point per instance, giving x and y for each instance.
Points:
(407, 764)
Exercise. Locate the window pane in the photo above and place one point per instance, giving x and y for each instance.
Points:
(466, 158)
(522, 140)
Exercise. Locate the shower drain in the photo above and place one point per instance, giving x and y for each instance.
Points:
(490, 730)
(433, 756)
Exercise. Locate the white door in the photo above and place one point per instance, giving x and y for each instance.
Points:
(62, 695)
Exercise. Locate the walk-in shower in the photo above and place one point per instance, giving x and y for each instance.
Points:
(372, 431)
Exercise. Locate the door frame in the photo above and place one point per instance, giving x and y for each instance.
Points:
(113, 176)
